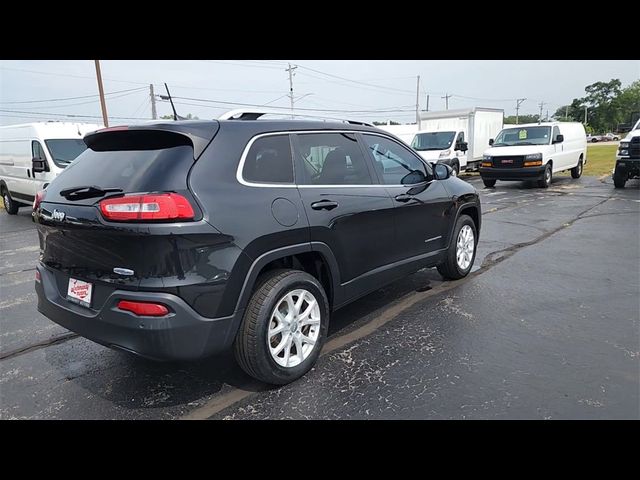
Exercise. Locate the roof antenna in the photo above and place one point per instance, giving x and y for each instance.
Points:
(168, 97)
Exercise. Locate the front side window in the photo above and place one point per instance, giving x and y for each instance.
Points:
(556, 132)
(523, 136)
(269, 161)
(65, 150)
(36, 151)
(394, 163)
(460, 139)
(332, 159)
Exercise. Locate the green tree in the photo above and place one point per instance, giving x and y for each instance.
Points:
(604, 113)
(628, 103)
(511, 119)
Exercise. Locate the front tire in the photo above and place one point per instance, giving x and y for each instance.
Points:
(284, 327)
(9, 205)
(462, 250)
(619, 181)
(489, 183)
(545, 182)
(576, 172)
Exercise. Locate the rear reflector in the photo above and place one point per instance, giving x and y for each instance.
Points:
(144, 309)
(162, 206)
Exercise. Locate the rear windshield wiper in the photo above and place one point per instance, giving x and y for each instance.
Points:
(87, 191)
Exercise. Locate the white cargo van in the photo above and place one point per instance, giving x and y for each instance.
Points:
(33, 154)
(457, 137)
(535, 151)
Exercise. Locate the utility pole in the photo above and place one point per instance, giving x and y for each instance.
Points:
(446, 99)
(418, 102)
(518, 102)
(427, 102)
(541, 104)
(154, 113)
(546, 118)
(585, 114)
(291, 74)
(566, 112)
(105, 118)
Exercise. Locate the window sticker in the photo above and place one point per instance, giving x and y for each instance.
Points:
(522, 135)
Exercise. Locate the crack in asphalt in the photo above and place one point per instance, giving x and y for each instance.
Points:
(222, 402)
(17, 271)
(37, 346)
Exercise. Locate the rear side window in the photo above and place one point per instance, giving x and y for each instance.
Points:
(269, 160)
(332, 159)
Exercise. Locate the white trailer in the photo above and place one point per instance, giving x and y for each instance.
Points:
(457, 137)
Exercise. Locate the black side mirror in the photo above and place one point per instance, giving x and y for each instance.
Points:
(462, 146)
(38, 165)
(441, 171)
(490, 141)
(559, 138)
(413, 178)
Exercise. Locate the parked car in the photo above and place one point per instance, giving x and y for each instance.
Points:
(180, 240)
(33, 154)
(594, 138)
(628, 158)
(609, 137)
(535, 151)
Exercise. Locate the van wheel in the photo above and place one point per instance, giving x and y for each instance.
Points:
(619, 181)
(9, 205)
(489, 183)
(545, 181)
(576, 172)
(462, 250)
(284, 327)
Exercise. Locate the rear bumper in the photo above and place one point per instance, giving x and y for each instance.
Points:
(181, 335)
(522, 173)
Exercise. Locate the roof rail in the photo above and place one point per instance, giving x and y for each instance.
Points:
(254, 114)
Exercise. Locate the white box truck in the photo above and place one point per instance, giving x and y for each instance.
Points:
(33, 154)
(457, 137)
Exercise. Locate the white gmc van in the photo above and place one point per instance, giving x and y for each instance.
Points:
(535, 151)
(33, 154)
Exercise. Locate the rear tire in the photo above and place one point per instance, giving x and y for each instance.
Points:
(9, 205)
(256, 346)
(489, 183)
(545, 182)
(455, 266)
(619, 181)
(576, 172)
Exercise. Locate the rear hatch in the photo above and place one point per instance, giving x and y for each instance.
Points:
(121, 215)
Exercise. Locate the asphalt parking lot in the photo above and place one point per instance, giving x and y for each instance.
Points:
(546, 327)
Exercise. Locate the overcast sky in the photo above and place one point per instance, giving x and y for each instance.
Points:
(343, 88)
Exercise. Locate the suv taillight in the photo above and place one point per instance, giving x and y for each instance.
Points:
(160, 206)
(38, 199)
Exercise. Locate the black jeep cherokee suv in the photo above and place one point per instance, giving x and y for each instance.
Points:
(180, 240)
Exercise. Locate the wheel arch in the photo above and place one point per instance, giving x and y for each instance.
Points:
(315, 258)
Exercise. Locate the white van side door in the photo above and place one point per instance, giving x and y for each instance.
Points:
(38, 178)
(459, 154)
(560, 160)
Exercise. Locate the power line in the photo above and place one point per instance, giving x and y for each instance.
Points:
(285, 108)
(356, 81)
(72, 98)
(83, 103)
(70, 115)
